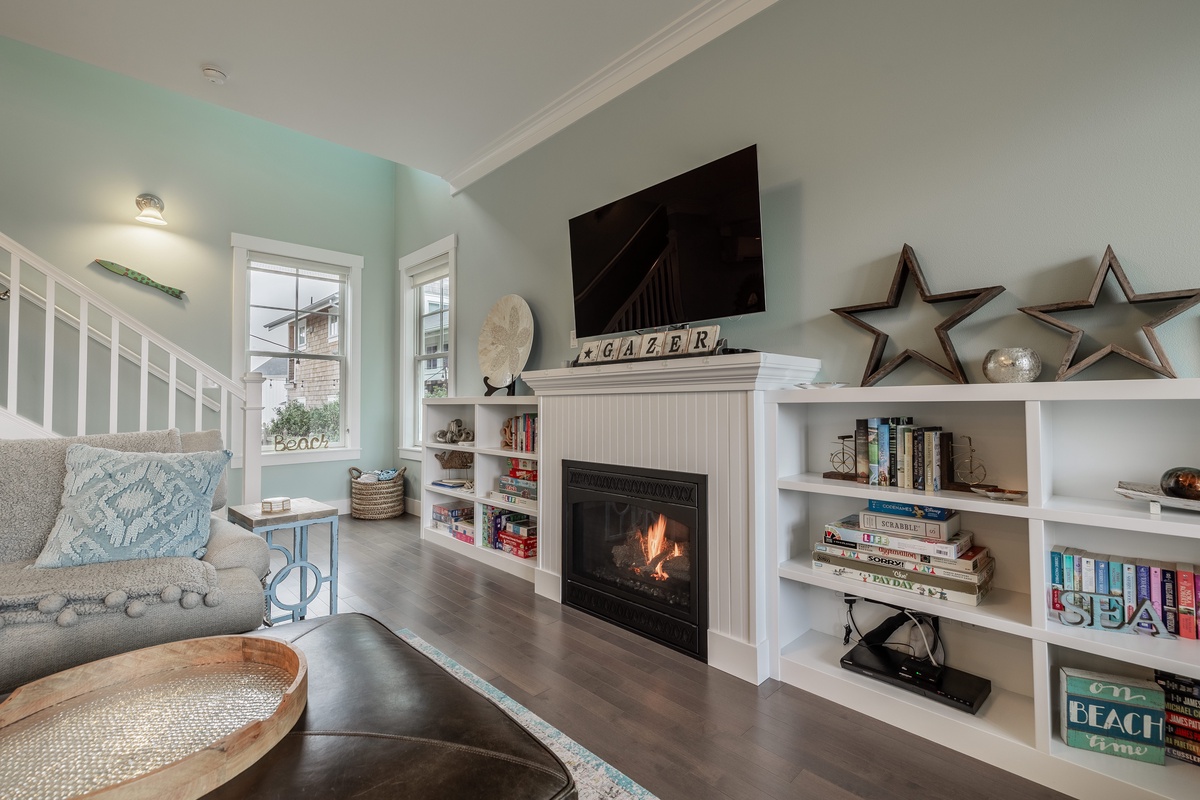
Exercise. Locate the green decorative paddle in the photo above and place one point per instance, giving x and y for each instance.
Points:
(134, 275)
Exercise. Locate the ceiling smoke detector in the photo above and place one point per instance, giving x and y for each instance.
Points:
(213, 74)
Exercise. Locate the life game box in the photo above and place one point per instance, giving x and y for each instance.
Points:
(519, 546)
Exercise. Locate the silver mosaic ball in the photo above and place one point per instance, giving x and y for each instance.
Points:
(1012, 365)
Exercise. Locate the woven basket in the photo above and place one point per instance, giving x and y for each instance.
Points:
(376, 499)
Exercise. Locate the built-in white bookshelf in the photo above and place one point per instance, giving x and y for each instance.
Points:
(1068, 444)
(485, 416)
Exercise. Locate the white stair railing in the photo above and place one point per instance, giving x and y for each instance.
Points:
(141, 368)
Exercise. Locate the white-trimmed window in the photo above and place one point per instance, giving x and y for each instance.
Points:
(426, 347)
(290, 300)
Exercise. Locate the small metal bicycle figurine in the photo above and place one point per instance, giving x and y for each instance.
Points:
(967, 468)
(843, 460)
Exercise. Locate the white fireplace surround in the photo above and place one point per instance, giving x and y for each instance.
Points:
(702, 415)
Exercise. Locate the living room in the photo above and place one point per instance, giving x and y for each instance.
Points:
(1007, 143)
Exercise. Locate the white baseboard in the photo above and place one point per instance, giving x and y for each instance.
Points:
(547, 584)
(740, 659)
(412, 505)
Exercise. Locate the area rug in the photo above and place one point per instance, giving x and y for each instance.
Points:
(594, 778)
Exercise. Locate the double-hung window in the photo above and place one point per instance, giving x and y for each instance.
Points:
(426, 333)
(295, 301)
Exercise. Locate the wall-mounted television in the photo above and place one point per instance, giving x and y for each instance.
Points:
(686, 250)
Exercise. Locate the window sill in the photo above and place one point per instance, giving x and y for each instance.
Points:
(306, 457)
(408, 453)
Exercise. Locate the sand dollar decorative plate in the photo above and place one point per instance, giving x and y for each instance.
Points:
(505, 342)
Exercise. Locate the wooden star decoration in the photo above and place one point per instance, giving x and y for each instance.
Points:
(908, 266)
(1066, 369)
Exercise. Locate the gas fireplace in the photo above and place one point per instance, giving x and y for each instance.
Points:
(634, 550)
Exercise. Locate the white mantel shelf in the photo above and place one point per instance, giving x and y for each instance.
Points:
(738, 372)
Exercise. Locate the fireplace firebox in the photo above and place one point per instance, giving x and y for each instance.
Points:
(634, 550)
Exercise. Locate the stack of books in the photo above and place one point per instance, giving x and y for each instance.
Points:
(1182, 699)
(917, 549)
(524, 429)
(1169, 587)
(519, 486)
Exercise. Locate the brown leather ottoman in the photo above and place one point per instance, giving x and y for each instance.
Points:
(384, 721)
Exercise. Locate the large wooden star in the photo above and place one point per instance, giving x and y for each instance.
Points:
(1066, 369)
(908, 265)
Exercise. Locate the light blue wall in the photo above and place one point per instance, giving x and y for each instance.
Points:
(77, 144)
(1007, 142)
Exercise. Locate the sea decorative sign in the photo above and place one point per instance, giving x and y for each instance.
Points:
(1106, 612)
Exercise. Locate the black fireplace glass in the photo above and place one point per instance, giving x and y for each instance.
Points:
(635, 549)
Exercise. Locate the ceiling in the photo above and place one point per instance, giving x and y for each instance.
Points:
(452, 87)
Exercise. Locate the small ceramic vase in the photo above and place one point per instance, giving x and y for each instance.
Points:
(1012, 365)
(1181, 482)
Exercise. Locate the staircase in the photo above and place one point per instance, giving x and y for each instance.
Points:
(75, 364)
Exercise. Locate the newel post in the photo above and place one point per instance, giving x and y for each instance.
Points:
(252, 438)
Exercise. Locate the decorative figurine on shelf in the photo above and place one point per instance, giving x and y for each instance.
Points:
(1182, 482)
(454, 433)
(504, 344)
(508, 434)
(842, 460)
(967, 468)
(455, 459)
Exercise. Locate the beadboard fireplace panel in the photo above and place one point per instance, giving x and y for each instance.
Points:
(702, 416)
(702, 433)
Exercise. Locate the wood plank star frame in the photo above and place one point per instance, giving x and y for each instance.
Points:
(908, 265)
(1109, 263)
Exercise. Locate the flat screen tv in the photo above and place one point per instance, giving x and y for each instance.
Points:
(686, 250)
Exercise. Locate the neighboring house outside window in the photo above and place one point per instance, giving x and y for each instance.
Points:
(295, 299)
(426, 290)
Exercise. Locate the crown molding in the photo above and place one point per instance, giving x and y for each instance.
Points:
(693, 30)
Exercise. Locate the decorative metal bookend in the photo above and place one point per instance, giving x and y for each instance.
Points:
(967, 468)
(976, 298)
(842, 460)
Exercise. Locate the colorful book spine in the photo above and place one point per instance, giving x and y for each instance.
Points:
(932, 476)
(1116, 576)
(1101, 574)
(911, 526)
(1186, 586)
(912, 585)
(847, 529)
(910, 510)
(1069, 569)
(1170, 598)
(1056, 577)
(861, 454)
(1113, 715)
(885, 453)
(1129, 589)
(908, 456)
(873, 451)
(918, 470)
(1087, 572)
(1142, 568)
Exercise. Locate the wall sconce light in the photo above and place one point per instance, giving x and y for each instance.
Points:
(150, 208)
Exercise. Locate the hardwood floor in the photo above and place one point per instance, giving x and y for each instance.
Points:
(680, 729)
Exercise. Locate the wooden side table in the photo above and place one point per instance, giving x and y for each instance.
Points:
(303, 513)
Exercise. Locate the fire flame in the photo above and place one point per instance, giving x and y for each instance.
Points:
(656, 548)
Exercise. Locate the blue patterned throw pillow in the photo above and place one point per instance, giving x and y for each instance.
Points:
(118, 506)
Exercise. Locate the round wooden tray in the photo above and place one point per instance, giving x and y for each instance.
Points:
(172, 721)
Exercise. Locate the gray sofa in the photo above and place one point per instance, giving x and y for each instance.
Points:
(53, 619)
